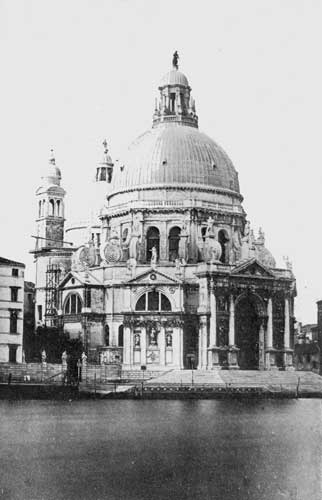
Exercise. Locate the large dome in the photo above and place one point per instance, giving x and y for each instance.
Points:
(174, 154)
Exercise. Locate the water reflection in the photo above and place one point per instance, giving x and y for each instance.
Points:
(141, 450)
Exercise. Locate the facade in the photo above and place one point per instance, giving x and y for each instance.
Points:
(28, 319)
(11, 310)
(176, 278)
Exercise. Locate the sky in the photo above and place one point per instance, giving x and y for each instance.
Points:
(77, 71)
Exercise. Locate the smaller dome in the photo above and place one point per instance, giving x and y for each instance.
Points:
(53, 173)
(174, 77)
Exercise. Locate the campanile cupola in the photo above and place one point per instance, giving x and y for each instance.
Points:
(175, 103)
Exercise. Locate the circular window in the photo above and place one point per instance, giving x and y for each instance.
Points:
(153, 276)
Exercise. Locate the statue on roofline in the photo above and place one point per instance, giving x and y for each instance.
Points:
(175, 60)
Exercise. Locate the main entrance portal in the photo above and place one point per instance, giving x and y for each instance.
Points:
(247, 325)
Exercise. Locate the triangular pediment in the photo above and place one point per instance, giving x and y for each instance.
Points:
(252, 268)
(80, 279)
(154, 276)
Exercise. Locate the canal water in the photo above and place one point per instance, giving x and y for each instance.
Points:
(137, 450)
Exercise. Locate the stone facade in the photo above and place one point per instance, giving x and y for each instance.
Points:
(11, 310)
(177, 278)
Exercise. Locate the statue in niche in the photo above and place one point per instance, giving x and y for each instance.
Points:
(246, 243)
(135, 239)
(131, 265)
(236, 247)
(153, 336)
(137, 340)
(154, 256)
(168, 340)
(43, 356)
(210, 227)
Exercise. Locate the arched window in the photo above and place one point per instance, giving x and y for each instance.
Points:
(121, 336)
(39, 210)
(43, 207)
(223, 240)
(58, 207)
(73, 304)
(174, 239)
(152, 240)
(203, 233)
(107, 335)
(153, 301)
(51, 207)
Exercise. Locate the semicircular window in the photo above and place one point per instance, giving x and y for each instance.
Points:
(73, 304)
(153, 301)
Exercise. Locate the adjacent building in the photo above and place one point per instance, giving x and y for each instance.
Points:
(169, 274)
(11, 310)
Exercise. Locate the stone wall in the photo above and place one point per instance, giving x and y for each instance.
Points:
(36, 372)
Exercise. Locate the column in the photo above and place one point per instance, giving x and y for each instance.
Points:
(202, 342)
(127, 345)
(131, 348)
(213, 318)
(231, 337)
(270, 353)
(180, 331)
(287, 324)
(143, 346)
(233, 350)
(161, 343)
(269, 332)
(288, 353)
(213, 358)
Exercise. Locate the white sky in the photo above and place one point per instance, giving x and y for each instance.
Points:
(74, 72)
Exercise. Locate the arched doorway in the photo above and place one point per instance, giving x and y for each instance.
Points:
(247, 325)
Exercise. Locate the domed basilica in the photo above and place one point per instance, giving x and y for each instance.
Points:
(168, 273)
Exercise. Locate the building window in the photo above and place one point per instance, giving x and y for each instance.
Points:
(203, 233)
(39, 313)
(51, 207)
(14, 294)
(153, 301)
(58, 207)
(39, 210)
(88, 297)
(73, 304)
(153, 240)
(172, 102)
(12, 353)
(15, 272)
(125, 235)
(13, 321)
(174, 240)
(107, 335)
(121, 336)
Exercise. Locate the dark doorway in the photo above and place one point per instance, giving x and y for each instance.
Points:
(190, 348)
(247, 333)
(12, 354)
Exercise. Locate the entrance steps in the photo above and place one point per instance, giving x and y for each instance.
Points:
(269, 380)
(189, 377)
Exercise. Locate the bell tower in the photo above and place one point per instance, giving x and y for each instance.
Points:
(52, 254)
(50, 208)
